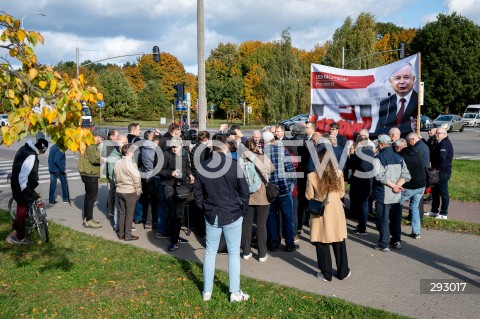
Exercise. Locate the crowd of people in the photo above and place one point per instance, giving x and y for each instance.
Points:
(222, 185)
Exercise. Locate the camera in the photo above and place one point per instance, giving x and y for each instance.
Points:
(190, 135)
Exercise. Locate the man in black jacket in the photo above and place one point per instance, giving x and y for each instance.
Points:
(223, 195)
(441, 159)
(24, 180)
(414, 188)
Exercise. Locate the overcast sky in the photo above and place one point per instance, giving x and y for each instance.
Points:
(105, 28)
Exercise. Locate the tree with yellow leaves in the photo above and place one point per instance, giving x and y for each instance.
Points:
(39, 98)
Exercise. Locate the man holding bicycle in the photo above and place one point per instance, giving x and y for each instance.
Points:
(24, 180)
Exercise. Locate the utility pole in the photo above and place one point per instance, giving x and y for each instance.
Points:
(202, 96)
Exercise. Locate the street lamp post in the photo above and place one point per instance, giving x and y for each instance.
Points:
(23, 18)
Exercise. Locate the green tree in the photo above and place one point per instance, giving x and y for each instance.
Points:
(383, 28)
(358, 39)
(450, 48)
(283, 82)
(120, 98)
(152, 102)
(224, 79)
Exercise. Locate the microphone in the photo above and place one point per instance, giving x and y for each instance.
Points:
(388, 109)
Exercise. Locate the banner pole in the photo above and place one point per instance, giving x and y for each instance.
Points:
(419, 115)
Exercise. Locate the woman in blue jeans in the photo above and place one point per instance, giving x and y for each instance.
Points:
(222, 192)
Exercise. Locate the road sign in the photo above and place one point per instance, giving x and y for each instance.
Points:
(212, 108)
(181, 106)
(101, 104)
(249, 110)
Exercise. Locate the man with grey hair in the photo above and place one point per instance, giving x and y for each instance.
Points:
(400, 109)
(257, 138)
(414, 188)
(394, 134)
(390, 175)
(442, 156)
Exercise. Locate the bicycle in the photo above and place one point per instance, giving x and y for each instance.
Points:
(36, 217)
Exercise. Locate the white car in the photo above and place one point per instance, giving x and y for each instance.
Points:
(471, 119)
(4, 120)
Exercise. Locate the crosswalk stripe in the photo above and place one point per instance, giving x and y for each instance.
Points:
(43, 174)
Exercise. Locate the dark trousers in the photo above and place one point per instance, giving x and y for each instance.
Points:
(359, 206)
(126, 202)
(325, 260)
(303, 219)
(111, 197)
(53, 186)
(149, 201)
(262, 214)
(384, 214)
(91, 193)
(19, 222)
(175, 209)
(440, 191)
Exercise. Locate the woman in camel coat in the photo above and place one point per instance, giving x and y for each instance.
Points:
(331, 228)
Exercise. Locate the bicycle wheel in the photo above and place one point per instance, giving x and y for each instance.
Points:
(42, 228)
(12, 208)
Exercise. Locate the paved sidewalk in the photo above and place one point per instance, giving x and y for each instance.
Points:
(389, 281)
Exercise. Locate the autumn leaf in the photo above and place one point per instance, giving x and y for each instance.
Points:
(32, 73)
(10, 94)
(62, 116)
(21, 35)
(42, 84)
(53, 86)
(33, 118)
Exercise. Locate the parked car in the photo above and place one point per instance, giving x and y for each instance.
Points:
(290, 123)
(471, 119)
(449, 122)
(4, 120)
(426, 123)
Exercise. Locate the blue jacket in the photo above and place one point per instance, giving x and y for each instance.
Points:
(56, 160)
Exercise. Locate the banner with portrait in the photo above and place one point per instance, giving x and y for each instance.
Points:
(374, 99)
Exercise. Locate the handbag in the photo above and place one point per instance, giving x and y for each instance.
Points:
(182, 191)
(317, 207)
(272, 190)
(433, 177)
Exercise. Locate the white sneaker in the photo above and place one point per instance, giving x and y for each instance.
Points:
(431, 214)
(440, 216)
(263, 259)
(206, 296)
(321, 276)
(349, 274)
(247, 257)
(238, 296)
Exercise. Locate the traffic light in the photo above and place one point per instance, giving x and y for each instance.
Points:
(401, 50)
(179, 88)
(156, 54)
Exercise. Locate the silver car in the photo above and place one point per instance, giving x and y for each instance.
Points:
(449, 122)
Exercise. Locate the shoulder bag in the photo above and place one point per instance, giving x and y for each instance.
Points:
(433, 177)
(272, 190)
(316, 207)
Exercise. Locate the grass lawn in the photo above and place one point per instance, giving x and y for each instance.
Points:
(82, 276)
(451, 225)
(465, 181)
